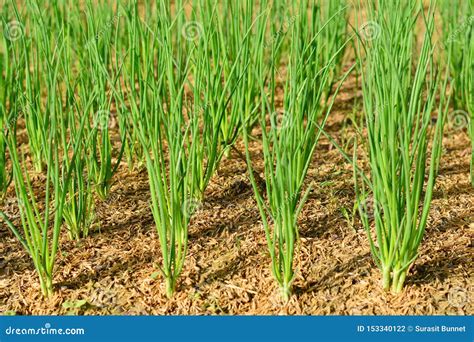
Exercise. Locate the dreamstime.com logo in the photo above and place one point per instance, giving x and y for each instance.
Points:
(192, 30)
(458, 297)
(370, 30)
(369, 206)
(280, 120)
(461, 28)
(13, 30)
(46, 330)
(104, 119)
(458, 119)
(191, 206)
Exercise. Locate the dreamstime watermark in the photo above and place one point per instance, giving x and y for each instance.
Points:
(191, 206)
(458, 119)
(103, 298)
(370, 30)
(11, 121)
(46, 330)
(280, 120)
(103, 30)
(13, 118)
(282, 31)
(458, 297)
(369, 206)
(192, 30)
(197, 108)
(13, 30)
(104, 119)
(453, 36)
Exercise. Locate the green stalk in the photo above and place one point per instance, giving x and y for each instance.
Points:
(400, 93)
(168, 143)
(79, 206)
(289, 143)
(3, 151)
(99, 162)
(467, 76)
(38, 49)
(458, 40)
(5, 92)
(41, 219)
(241, 28)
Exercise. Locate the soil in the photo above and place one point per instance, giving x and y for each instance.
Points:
(114, 270)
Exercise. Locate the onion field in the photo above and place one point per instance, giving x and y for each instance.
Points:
(236, 157)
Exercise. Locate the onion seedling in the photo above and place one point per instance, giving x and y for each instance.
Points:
(400, 88)
(41, 219)
(167, 141)
(78, 209)
(166, 138)
(79, 206)
(180, 134)
(99, 149)
(289, 143)
(5, 95)
(5, 122)
(458, 40)
(241, 30)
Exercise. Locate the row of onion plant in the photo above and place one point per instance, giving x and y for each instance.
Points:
(41, 210)
(400, 86)
(61, 132)
(293, 134)
(458, 42)
(178, 122)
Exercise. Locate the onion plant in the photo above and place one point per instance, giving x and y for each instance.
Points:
(468, 72)
(99, 161)
(171, 193)
(458, 40)
(5, 80)
(79, 206)
(242, 31)
(78, 209)
(4, 123)
(400, 87)
(289, 142)
(166, 139)
(38, 49)
(178, 123)
(42, 218)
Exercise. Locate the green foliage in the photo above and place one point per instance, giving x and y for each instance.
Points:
(400, 94)
(289, 142)
(458, 41)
